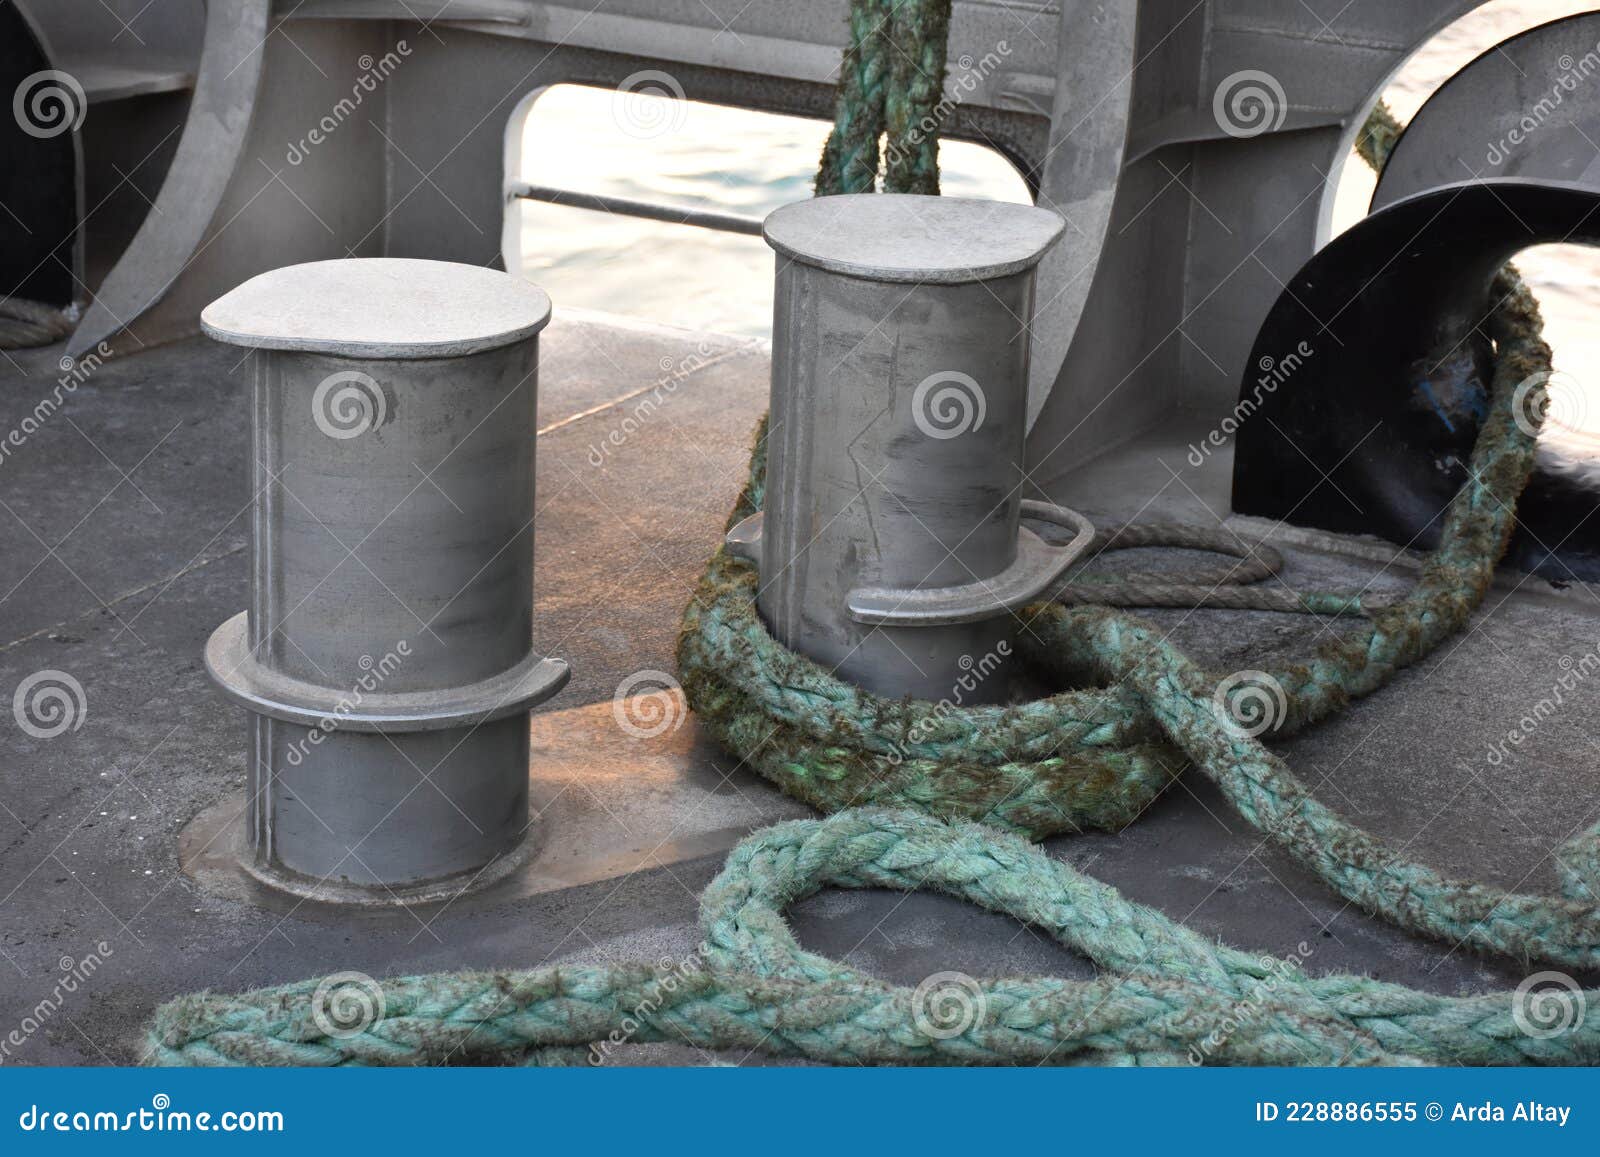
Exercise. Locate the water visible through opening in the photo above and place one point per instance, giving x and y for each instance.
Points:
(647, 147)
(1565, 278)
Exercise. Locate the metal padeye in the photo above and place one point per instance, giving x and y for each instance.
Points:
(890, 545)
(387, 652)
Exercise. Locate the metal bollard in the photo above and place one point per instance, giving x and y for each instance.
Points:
(387, 653)
(890, 546)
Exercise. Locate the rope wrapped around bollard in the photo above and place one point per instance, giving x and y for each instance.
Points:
(1097, 758)
(1168, 994)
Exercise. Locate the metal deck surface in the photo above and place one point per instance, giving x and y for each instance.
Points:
(124, 540)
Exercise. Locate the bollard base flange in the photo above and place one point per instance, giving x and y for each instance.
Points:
(214, 850)
(605, 804)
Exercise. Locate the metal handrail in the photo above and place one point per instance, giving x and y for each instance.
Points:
(674, 214)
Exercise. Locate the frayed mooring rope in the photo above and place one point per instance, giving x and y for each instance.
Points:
(1167, 995)
(1089, 758)
(25, 324)
(1098, 758)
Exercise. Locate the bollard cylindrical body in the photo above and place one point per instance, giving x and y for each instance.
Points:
(895, 446)
(387, 652)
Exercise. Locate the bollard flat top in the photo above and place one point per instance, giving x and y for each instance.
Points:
(911, 238)
(379, 307)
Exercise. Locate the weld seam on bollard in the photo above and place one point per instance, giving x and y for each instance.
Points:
(393, 440)
(890, 545)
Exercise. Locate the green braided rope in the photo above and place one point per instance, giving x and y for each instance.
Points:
(1077, 759)
(1167, 995)
(891, 79)
(1377, 137)
(850, 156)
(920, 33)
(1098, 758)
